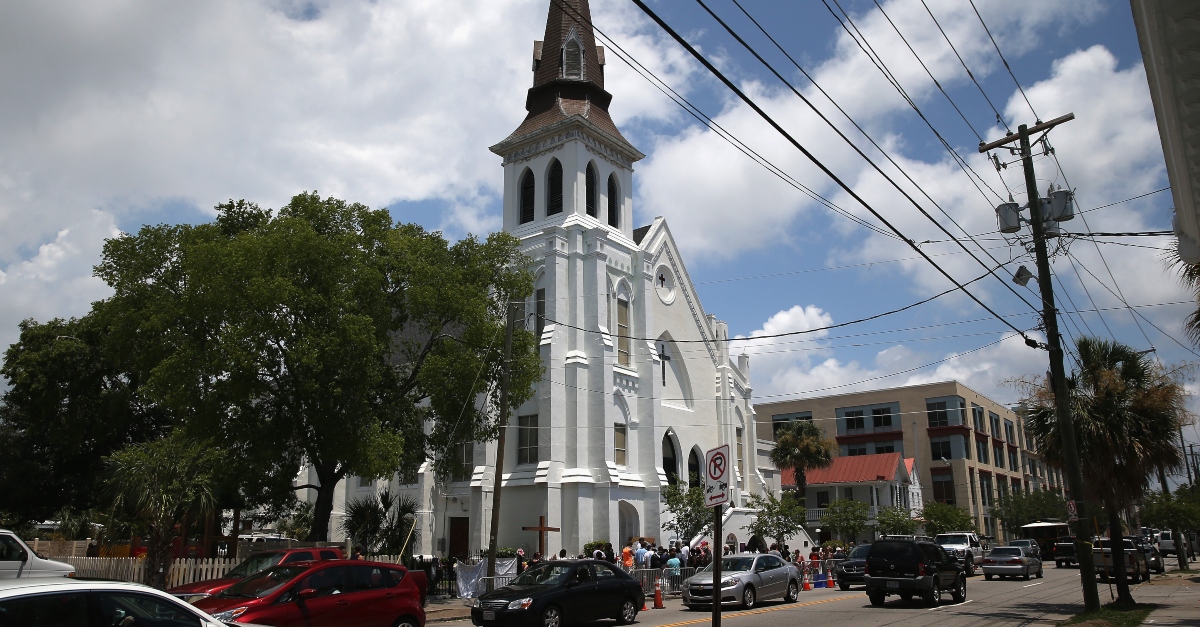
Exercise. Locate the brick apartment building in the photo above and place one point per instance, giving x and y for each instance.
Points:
(968, 448)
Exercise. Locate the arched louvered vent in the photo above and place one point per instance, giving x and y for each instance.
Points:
(527, 190)
(554, 188)
(614, 202)
(590, 189)
(573, 59)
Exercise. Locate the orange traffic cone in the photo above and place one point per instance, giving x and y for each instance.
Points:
(807, 584)
(658, 598)
(644, 608)
(829, 581)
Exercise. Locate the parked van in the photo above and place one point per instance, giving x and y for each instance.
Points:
(17, 560)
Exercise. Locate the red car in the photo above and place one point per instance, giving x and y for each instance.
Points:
(315, 594)
(257, 561)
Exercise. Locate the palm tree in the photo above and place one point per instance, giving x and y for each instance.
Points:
(161, 486)
(381, 523)
(801, 446)
(1125, 411)
(1189, 275)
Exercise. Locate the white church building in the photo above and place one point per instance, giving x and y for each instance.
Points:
(638, 378)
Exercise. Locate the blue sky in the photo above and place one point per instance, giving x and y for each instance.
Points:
(146, 112)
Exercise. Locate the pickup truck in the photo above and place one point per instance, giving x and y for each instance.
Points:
(1136, 566)
(1166, 544)
(1064, 551)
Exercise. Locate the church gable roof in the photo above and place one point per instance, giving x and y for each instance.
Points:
(658, 244)
(640, 233)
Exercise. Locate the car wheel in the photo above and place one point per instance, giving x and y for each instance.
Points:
(905, 596)
(843, 586)
(629, 611)
(793, 592)
(748, 597)
(876, 598)
(1041, 572)
(552, 617)
(970, 563)
(987, 576)
(934, 596)
(960, 590)
(406, 621)
(1026, 576)
(1058, 564)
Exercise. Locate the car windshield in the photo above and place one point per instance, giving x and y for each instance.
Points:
(1005, 551)
(253, 564)
(893, 550)
(264, 583)
(546, 574)
(860, 551)
(951, 538)
(732, 564)
(1105, 543)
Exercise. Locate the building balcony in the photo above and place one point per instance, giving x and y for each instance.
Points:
(814, 516)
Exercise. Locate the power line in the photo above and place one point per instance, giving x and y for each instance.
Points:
(999, 118)
(1003, 60)
(1127, 199)
(832, 126)
(1089, 295)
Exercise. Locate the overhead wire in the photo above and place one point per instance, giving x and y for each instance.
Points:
(842, 135)
(1003, 60)
(1089, 295)
(999, 118)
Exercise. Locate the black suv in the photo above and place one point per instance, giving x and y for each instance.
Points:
(909, 568)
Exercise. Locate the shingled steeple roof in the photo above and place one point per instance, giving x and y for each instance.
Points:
(568, 77)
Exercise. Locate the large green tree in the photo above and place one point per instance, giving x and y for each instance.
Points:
(1125, 412)
(324, 334)
(1014, 509)
(896, 520)
(75, 395)
(943, 518)
(800, 446)
(845, 518)
(776, 518)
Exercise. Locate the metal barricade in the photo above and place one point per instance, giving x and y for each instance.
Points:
(488, 584)
(672, 581)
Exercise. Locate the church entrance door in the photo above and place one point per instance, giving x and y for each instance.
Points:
(629, 521)
(460, 535)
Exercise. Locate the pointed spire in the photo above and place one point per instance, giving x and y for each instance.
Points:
(569, 20)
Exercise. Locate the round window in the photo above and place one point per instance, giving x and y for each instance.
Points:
(664, 284)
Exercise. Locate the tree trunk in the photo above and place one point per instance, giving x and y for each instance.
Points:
(207, 538)
(323, 508)
(158, 558)
(1117, 542)
(1179, 551)
(233, 533)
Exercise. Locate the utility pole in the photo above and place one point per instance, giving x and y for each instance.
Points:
(498, 471)
(1186, 465)
(1083, 548)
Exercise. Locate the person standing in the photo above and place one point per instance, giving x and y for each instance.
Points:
(684, 551)
(639, 555)
(627, 557)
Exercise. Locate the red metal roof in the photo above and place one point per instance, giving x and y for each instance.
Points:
(850, 469)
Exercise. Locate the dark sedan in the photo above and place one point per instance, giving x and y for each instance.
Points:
(552, 594)
(851, 571)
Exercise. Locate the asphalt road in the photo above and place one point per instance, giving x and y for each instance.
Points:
(998, 602)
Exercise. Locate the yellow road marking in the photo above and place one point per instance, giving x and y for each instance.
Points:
(764, 610)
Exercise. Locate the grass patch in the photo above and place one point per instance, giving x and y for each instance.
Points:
(1113, 615)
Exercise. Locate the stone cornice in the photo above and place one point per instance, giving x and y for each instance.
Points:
(573, 128)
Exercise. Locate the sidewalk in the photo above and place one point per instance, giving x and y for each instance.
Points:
(446, 609)
(1177, 595)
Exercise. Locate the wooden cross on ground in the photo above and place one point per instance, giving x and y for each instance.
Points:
(541, 528)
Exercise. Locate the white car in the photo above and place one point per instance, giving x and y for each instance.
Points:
(46, 601)
(18, 561)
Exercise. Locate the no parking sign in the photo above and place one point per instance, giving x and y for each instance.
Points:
(716, 476)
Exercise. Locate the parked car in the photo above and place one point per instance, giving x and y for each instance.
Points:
(552, 594)
(1032, 545)
(1136, 566)
(1011, 561)
(62, 601)
(256, 562)
(1166, 544)
(18, 561)
(964, 546)
(1154, 559)
(908, 568)
(746, 579)
(363, 594)
(1064, 551)
(850, 571)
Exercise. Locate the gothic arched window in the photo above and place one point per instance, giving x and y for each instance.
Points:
(590, 189)
(573, 59)
(554, 188)
(670, 463)
(527, 196)
(614, 202)
(693, 469)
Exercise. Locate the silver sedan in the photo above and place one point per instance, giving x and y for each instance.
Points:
(1011, 561)
(746, 579)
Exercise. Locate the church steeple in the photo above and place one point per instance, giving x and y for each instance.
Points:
(568, 76)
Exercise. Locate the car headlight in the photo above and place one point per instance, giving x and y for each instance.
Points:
(728, 583)
(229, 615)
(476, 602)
(520, 604)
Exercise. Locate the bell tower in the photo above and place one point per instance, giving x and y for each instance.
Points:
(567, 163)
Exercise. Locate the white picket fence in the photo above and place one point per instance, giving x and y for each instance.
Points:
(183, 571)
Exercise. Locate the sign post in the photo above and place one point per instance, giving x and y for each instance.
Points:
(716, 494)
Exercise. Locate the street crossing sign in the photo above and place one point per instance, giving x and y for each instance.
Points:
(716, 476)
